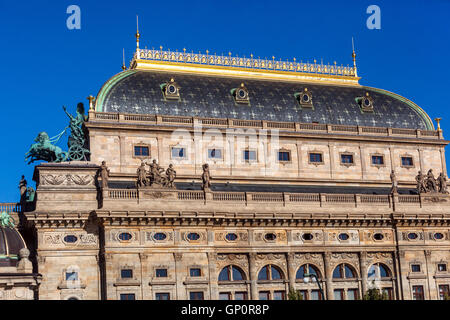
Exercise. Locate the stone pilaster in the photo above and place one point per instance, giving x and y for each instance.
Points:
(328, 275)
(363, 268)
(253, 276)
(213, 276)
(291, 270)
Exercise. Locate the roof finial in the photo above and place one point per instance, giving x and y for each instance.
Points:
(137, 37)
(123, 60)
(354, 58)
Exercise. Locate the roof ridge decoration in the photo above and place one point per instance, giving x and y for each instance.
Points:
(154, 59)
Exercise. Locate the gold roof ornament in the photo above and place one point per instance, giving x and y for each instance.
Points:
(354, 58)
(438, 121)
(123, 60)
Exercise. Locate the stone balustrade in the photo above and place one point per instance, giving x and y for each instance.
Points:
(121, 118)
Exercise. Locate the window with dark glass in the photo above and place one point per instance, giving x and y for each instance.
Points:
(444, 291)
(71, 276)
(438, 236)
(407, 161)
(377, 160)
(162, 296)
(249, 155)
(442, 267)
(307, 268)
(70, 239)
(214, 153)
(240, 296)
(160, 236)
(126, 273)
(178, 152)
(346, 158)
(388, 292)
(141, 151)
(224, 296)
(270, 236)
(127, 296)
(278, 295)
(303, 294)
(338, 294)
(343, 236)
(284, 156)
(315, 158)
(316, 295)
(378, 236)
(307, 236)
(193, 236)
(264, 295)
(195, 272)
(352, 294)
(161, 273)
(343, 271)
(231, 273)
(378, 270)
(270, 272)
(196, 295)
(412, 236)
(125, 236)
(415, 267)
(417, 292)
(231, 236)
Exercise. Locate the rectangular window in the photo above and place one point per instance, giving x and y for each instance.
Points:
(316, 295)
(415, 267)
(127, 296)
(278, 295)
(303, 294)
(444, 291)
(417, 292)
(346, 158)
(71, 276)
(264, 295)
(141, 151)
(315, 158)
(377, 160)
(215, 153)
(407, 162)
(195, 272)
(352, 294)
(284, 156)
(338, 294)
(162, 296)
(224, 296)
(196, 295)
(126, 273)
(388, 292)
(249, 155)
(240, 296)
(442, 267)
(161, 273)
(178, 153)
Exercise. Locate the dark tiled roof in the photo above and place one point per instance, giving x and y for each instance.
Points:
(210, 96)
(10, 244)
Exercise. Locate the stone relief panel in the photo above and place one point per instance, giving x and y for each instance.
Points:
(270, 236)
(240, 260)
(124, 236)
(66, 179)
(344, 236)
(308, 236)
(231, 237)
(315, 259)
(378, 236)
(412, 236)
(382, 257)
(159, 237)
(345, 257)
(18, 293)
(278, 259)
(193, 236)
(69, 239)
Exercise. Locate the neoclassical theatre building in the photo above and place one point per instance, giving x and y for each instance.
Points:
(222, 177)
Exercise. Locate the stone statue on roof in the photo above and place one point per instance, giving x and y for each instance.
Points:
(206, 178)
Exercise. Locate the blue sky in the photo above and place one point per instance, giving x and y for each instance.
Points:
(45, 65)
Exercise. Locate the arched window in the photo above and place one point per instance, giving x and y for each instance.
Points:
(344, 271)
(379, 270)
(231, 273)
(307, 268)
(270, 272)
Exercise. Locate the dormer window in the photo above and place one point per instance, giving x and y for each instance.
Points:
(241, 95)
(171, 90)
(365, 103)
(304, 98)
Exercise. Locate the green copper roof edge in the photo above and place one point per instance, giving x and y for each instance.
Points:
(108, 86)
(415, 107)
